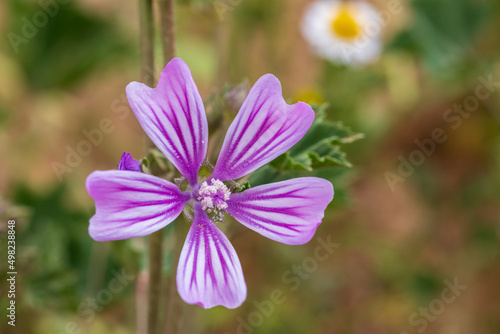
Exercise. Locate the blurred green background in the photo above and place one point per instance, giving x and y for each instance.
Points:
(397, 245)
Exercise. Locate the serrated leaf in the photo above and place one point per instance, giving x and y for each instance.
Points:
(319, 148)
(332, 156)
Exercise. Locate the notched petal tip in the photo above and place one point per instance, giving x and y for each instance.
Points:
(209, 273)
(130, 204)
(272, 84)
(270, 81)
(91, 181)
(324, 187)
(176, 64)
(95, 234)
(173, 116)
(135, 87)
(288, 212)
(265, 127)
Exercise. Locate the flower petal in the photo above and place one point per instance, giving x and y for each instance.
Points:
(173, 116)
(264, 128)
(209, 272)
(287, 211)
(130, 204)
(129, 163)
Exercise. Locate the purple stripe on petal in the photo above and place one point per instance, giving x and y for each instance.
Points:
(173, 116)
(209, 272)
(264, 128)
(129, 163)
(288, 211)
(130, 204)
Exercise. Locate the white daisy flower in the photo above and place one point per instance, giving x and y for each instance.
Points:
(347, 32)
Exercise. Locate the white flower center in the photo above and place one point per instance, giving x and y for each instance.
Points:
(213, 197)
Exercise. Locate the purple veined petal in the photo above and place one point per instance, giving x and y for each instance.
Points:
(209, 271)
(130, 204)
(287, 211)
(173, 116)
(129, 163)
(264, 128)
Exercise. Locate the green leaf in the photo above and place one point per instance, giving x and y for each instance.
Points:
(320, 147)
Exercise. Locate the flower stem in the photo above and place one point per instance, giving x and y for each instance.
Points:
(173, 321)
(147, 41)
(155, 240)
(155, 281)
(167, 29)
(155, 251)
(141, 302)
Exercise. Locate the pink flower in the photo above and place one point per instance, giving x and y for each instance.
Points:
(131, 204)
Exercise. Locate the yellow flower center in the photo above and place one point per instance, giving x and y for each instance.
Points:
(344, 25)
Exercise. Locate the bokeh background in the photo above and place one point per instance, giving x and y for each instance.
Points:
(396, 246)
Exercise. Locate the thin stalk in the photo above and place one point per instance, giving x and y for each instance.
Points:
(167, 29)
(141, 302)
(146, 23)
(222, 41)
(168, 44)
(174, 320)
(171, 291)
(147, 41)
(155, 281)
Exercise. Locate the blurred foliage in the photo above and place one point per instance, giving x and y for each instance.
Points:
(54, 257)
(70, 45)
(445, 33)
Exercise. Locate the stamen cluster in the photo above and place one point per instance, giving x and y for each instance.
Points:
(213, 197)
